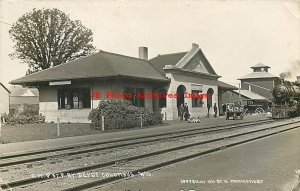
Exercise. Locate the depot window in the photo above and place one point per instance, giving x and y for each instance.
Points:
(76, 98)
(162, 102)
(140, 102)
(197, 101)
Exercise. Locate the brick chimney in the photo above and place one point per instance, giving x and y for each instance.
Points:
(143, 53)
(194, 45)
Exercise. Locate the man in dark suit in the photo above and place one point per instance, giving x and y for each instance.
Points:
(208, 108)
(215, 110)
(186, 112)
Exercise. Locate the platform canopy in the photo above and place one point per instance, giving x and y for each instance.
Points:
(225, 87)
(250, 95)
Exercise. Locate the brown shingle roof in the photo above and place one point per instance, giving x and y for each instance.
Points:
(226, 86)
(181, 59)
(160, 61)
(101, 64)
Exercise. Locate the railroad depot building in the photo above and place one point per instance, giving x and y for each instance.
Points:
(69, 91)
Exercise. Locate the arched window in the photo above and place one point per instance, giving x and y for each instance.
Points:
(180, 95)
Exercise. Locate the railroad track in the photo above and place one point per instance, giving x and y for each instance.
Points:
(76, 146)
(49, 154)
(153, 160)
(12, 170)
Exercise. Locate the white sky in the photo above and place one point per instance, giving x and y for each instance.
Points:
(234, 35)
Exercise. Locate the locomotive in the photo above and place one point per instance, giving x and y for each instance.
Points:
(286, 99)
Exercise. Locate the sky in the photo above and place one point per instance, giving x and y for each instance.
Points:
(233, 34)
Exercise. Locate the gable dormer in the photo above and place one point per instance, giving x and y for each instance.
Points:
(195, 61)
(192, 62)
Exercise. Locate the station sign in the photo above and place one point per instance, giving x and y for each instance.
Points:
(58, 83)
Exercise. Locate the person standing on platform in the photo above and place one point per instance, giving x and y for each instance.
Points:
(181, 111)
(224, 108)
(215, 110)
(208, 108)
(186, 112)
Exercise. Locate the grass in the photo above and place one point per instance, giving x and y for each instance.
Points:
(29, 132)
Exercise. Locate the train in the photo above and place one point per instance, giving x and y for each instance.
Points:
(286, 99)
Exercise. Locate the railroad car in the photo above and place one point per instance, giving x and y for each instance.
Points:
(286, 99)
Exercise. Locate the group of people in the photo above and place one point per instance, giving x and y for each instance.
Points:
(237, 105)
(183, 111)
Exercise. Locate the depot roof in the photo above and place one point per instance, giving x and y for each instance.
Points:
(101, 64)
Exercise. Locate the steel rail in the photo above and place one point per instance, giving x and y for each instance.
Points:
(134, 142)
(27, 153)
(103, 182)
(28, 181)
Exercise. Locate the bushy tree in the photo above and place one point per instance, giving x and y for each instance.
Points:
(48, 37)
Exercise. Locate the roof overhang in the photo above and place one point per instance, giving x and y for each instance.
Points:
(225, 87)
(87, 79)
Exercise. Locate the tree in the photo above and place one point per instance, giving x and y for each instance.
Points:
(48, 37)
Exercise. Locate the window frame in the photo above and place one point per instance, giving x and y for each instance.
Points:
(162, 100)
(197, 102)
(139, 102)
(65, 97)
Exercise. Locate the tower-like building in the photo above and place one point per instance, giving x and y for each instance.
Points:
(260, 81)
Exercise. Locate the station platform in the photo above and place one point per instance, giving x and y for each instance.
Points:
(269, 164)
(20, 147)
